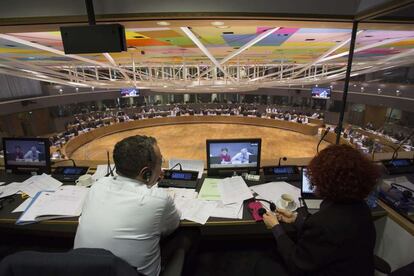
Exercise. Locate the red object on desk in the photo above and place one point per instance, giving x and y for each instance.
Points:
(254, 210)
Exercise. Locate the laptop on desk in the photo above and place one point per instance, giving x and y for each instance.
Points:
(310, 199)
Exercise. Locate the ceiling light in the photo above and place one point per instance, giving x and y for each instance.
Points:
(77, 88)
(354, 85)
(217, 23)
(60, 90)
(93, 87)
(163, 23)
(223, 27)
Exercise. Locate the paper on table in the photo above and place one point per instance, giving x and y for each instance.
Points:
(39, 183)
(22, 206)
(273, 191)
(10, 189)
(182, 193)
(198, 210)
(101, 171)
(231, 211)
(189, 165)
(209, 190)
(67, 201)
(234, 189)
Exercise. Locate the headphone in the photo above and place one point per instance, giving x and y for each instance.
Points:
(263, 211)
(146, 175)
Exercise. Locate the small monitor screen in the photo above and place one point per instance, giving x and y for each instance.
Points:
(307, 187)
(321, 93)
(129, 92)
(181, 176)
(26, 152)
(283, 170)
(73, 171)
(401, 162)
(233, 154)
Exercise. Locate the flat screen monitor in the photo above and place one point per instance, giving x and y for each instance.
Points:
(307, 190)
(226, 156)
(129, 92)
(27, 154)
(321, 93)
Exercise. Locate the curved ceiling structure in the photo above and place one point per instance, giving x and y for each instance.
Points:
(206, 56)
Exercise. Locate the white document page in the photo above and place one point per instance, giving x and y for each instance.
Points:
(10, 189)
(233, 190)
(67, 201)
(102, 170)
(188, 165)
(231, 211)
(22, 206)
(197, 210)
(39, 183)
(272, 191)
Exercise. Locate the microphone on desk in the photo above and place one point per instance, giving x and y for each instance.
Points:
(322, 137)
(178, 164)
(109, 171)
(280, 159)
(395, 153)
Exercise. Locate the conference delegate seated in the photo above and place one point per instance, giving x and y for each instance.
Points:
(127, 215)
(337, 240)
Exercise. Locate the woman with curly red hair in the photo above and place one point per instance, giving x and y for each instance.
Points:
(337, 240)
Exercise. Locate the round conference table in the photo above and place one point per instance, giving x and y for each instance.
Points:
(78, 141)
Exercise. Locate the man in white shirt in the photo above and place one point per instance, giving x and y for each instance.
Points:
(125, 214)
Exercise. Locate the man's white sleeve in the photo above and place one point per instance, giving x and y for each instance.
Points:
(170, 217)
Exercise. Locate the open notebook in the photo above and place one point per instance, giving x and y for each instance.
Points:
(67, 201)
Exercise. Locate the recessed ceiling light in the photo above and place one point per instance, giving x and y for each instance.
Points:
(60, 90)
(217, 23)
(223, 27)
(163, 23)
(77, 89)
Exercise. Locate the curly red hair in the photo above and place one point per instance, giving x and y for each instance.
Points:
(342, 173)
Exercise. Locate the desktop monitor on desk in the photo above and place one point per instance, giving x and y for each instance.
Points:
(233, 156)
(27, 155)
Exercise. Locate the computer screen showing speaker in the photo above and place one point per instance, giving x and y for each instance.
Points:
(321, 93)
(27, 154)
(233, 155)
(129, 92)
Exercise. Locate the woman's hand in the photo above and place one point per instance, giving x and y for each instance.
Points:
(270, 219)
(286, 216)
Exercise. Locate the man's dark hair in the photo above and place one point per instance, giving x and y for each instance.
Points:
(134, 153)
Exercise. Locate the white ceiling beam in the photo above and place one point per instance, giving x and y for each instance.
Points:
(206, 52)
(366, 47)
(324, 55)
(112, 61)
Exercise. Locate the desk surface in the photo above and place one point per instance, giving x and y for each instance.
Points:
(67, 226)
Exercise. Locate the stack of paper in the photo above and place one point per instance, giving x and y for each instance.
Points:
(273, 191)
(197, 210)
(234, 190)
(67, 201)
(189, 165)
(38, 183)
(10, 189)
(231, 211)
(209, 190)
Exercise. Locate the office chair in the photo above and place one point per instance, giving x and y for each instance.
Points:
(81, 261)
